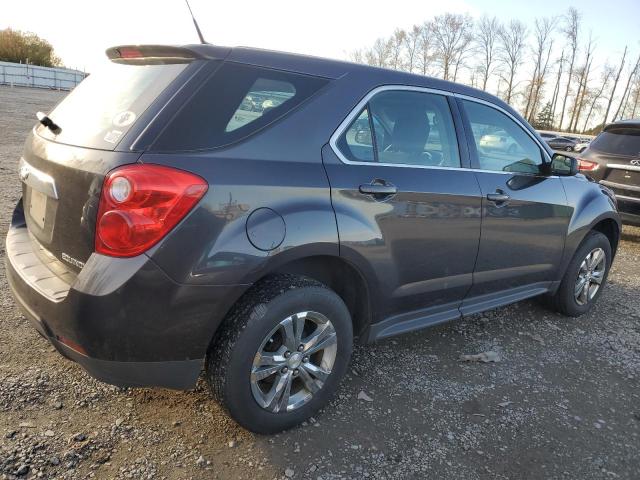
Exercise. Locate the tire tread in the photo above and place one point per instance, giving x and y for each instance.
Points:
(251, 305)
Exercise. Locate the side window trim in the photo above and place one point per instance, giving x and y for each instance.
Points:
(364, 102)
(469, 135)
(374, 140)
(458, 122)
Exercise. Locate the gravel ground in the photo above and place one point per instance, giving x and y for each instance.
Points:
(562, 401)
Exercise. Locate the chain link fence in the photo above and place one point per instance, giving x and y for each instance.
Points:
(23, 75)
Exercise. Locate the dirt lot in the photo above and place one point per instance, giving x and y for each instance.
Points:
(562, 402)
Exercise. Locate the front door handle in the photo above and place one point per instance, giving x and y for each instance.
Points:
(378, 188)
(498, 197)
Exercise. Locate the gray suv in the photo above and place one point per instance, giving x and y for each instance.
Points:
(254, 212)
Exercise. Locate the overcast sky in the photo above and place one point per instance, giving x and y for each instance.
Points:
(81, 30)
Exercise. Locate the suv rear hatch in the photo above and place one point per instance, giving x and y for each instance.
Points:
(618, 150)
(62, 171)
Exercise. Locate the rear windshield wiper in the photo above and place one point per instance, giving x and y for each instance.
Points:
(47, 122)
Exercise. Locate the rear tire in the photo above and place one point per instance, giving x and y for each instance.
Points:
(570, 299)
(257, 339)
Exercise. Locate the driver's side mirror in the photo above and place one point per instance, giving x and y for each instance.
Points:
(563, 165)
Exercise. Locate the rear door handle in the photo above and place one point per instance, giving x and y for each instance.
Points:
(498, 197)
(378, 188)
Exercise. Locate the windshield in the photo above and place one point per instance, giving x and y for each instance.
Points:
(624, 141)
(99, 111)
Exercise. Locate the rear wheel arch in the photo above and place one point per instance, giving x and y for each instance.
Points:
(334, 272)
(279, 299)
(340, 276)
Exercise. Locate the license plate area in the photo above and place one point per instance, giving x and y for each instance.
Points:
(38, 207)
(625, 177)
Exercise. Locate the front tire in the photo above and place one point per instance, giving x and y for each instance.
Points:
(281, 353)
(585, 277)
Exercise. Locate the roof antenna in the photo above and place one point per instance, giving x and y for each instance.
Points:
(195, 23)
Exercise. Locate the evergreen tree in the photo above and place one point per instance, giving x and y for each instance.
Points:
(544, 120)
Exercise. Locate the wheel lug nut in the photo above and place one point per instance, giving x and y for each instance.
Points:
(305, 359)
(287, 354)
(301, 348)
(284, 370)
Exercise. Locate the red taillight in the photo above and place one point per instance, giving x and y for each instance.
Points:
(586, 165)
(140, 204)
(128, 52)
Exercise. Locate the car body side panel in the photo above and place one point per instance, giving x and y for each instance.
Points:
(213, 240)
(589, 207)
(523, 240)
(278, 168)
(420, 245)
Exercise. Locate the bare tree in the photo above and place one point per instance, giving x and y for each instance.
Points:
(625, 92)
(613, 90)
(357, 56)
(452, 35)
(486, 39)
(512, 40)
(461, 57)
(636, 97)
(396, 46)
(412, 46)
(607, 73)
(583, 78)
(556, 89)
(571, 30)
(581, 98)
(380, 53)
(425, 47)
(543, 31)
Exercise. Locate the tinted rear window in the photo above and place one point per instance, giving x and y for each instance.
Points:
(237, 101)
(99, 111)
(624, 141)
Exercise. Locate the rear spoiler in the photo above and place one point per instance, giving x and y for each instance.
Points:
(164, 54)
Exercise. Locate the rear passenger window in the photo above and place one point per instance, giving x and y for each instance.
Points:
(409, 128)
(237, 101)
(502, 144)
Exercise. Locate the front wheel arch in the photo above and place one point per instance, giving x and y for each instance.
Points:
(609, 228)
(564, 299)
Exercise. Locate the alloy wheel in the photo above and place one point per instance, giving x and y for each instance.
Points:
(293, 362)
(590, 276)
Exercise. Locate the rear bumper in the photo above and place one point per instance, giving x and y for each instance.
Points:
(628, 199)
(630, 219)
(629, 209)
(123, 320)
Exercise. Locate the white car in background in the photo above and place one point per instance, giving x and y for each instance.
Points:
(498, 141)
(581, 146)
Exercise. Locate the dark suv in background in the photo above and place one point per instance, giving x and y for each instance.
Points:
(613, 159)
(253, 212)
